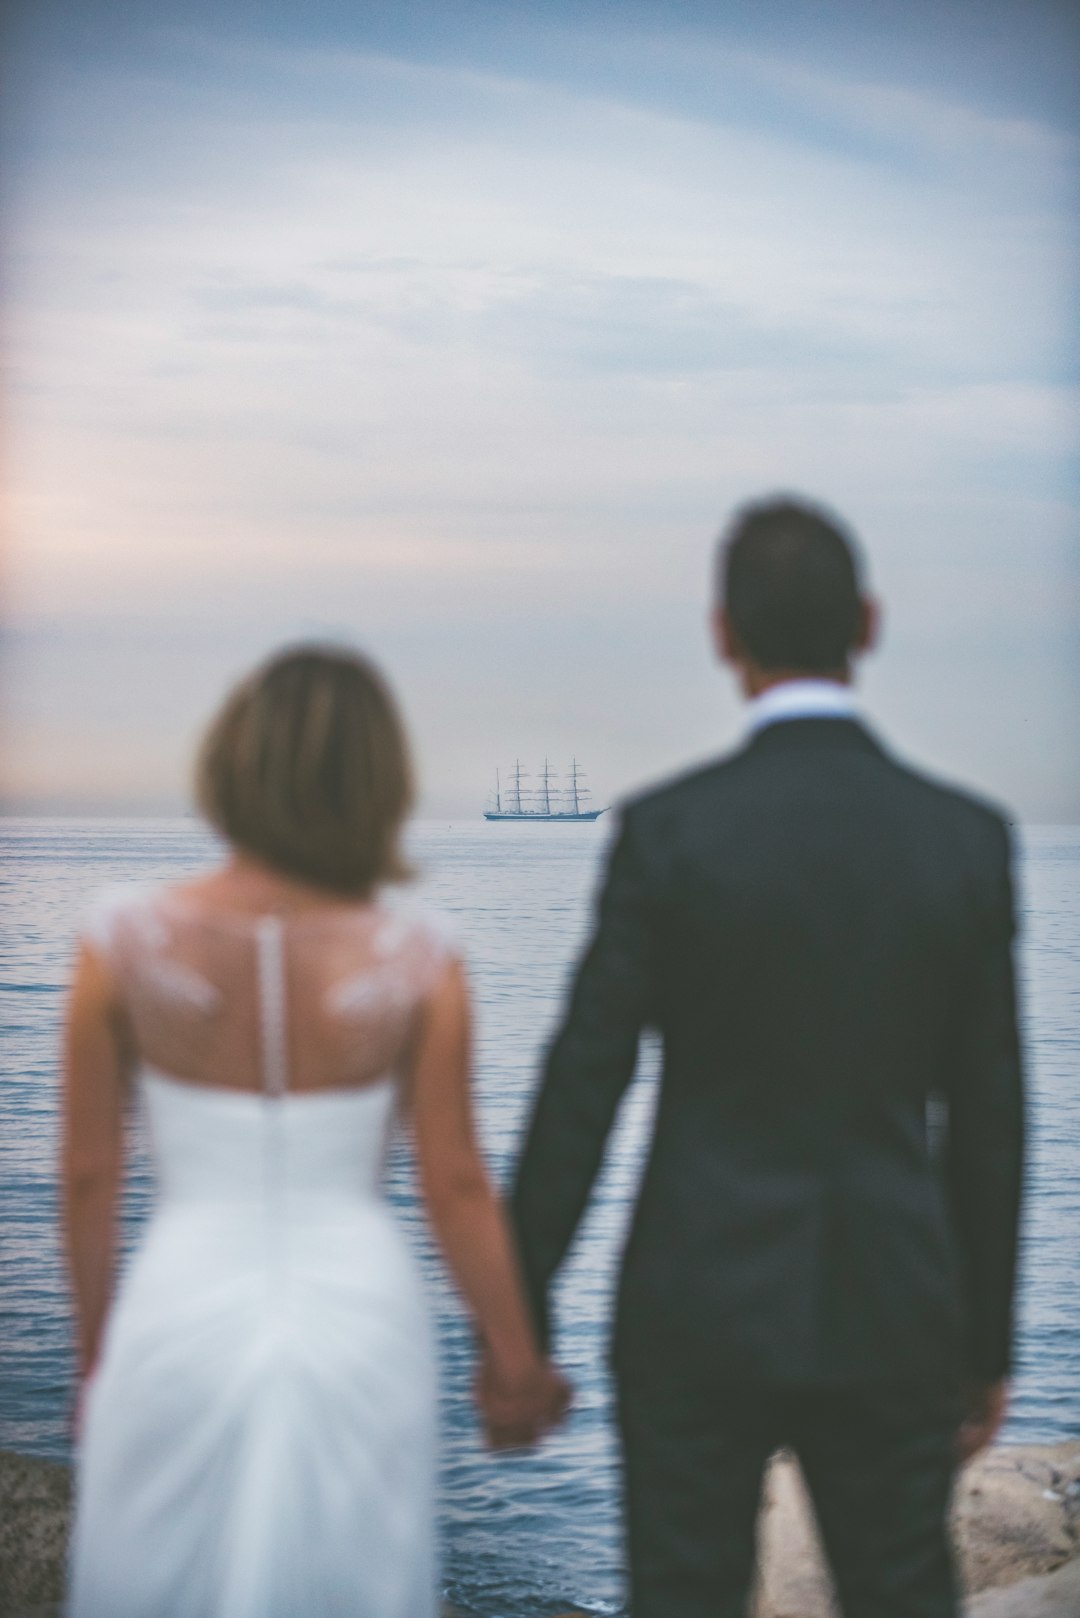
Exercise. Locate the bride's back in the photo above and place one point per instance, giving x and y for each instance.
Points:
(270, 1048)
(327, 998)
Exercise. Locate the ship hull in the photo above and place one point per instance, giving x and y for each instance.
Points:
(583, 814)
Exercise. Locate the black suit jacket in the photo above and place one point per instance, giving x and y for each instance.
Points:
(822, 939)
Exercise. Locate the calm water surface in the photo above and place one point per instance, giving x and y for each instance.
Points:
(523, 1535)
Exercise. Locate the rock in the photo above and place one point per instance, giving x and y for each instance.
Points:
(35, 1503)
(1017, 1520)
(1055, 1595)
(1018, 1513)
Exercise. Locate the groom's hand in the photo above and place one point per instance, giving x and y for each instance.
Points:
(518, 1409)
(987, 1405)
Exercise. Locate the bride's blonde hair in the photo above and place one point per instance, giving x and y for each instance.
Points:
(307, 767)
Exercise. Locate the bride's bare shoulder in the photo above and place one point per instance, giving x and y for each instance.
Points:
(406, 917)
(110, 906)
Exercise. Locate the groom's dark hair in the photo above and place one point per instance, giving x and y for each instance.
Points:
(788, 576)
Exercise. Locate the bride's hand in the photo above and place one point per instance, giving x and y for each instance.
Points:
(519, 1407)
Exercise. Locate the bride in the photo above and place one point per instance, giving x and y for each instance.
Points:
(257, 1423)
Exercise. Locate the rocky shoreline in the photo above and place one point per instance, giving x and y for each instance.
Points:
(1017, 1520)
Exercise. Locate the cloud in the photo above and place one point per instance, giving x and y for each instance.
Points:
(297, 328)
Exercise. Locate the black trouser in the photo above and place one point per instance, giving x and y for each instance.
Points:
(878, 1461)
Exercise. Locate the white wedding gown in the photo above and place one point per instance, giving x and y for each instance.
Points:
(259, 1435)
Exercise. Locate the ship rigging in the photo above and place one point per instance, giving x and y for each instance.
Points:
(547, 801)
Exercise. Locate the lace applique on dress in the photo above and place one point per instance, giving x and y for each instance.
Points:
(178, 983)
(133, 935)
(367, 992)
(407, 951)
(100, 922)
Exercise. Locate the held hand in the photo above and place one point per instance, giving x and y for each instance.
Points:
(986, 1409)
(519, 1408)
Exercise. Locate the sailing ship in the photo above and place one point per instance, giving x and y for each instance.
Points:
(544, 802)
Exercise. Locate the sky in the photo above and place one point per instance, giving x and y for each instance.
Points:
(457, 332)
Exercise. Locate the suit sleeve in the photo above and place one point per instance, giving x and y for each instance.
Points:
(986, 1133)
(588, 1068)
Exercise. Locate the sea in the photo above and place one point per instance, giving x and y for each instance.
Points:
(523, 1535)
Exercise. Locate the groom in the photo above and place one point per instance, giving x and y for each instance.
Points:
(822, 938)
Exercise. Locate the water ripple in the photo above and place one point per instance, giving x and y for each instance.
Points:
(523, 1534)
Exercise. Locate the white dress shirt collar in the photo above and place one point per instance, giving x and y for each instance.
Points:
(801, 699)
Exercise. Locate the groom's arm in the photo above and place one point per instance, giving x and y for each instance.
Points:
(588, 1068)
(986, 1131)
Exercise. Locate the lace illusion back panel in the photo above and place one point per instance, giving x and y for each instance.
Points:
(322, 1000)
(260, 1434)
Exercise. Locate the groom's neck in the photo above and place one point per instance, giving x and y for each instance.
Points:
(755, 679)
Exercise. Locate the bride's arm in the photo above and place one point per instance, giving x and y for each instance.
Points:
(95, 1069)
(523, 1393)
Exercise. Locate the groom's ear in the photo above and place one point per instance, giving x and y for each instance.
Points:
(725, 640)
(869, 630)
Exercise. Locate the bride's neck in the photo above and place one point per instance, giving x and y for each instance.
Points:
(246, 882)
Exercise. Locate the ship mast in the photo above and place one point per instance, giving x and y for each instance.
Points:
(573, 785)
(545, 778)
(515, 781)
(498, 793)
